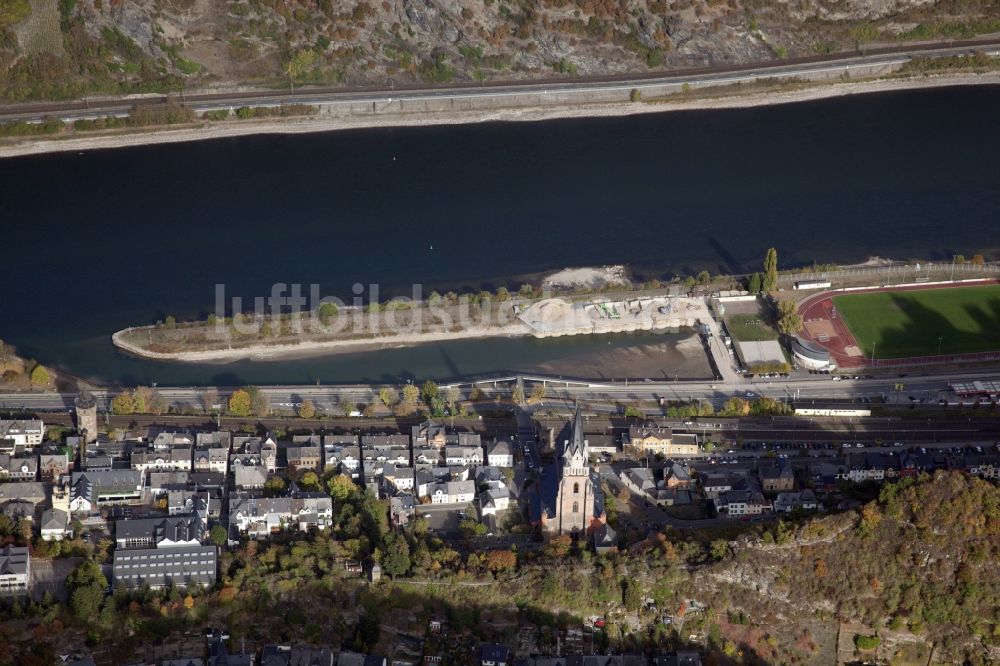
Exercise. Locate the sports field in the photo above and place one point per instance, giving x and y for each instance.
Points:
(923, 322)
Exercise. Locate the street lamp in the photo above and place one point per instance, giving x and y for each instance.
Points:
(940, 339)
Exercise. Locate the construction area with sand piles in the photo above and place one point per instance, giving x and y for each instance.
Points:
(555, 317)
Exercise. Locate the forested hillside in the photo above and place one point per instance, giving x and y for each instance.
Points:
(63, 48)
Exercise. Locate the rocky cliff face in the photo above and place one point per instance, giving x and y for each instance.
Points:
(123, 45)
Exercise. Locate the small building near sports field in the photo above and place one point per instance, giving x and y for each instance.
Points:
(811, 356)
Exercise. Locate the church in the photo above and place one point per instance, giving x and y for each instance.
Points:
(570, 498)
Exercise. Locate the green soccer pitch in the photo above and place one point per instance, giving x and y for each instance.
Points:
(923, 322)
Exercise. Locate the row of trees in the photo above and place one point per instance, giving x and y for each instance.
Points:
(767, 281)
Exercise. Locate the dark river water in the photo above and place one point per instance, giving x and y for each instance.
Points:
(97, 241)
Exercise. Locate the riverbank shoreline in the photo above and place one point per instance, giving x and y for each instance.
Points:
(724, 98)
(312, 348)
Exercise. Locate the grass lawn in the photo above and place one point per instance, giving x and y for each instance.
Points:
(750, 328)
(920, 323)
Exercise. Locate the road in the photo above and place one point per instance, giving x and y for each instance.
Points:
(802, 388)
(383, 100)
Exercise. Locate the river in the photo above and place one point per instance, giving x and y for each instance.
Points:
(97, 241)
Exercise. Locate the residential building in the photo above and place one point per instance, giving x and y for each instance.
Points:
(341, 453)
(180, 502)
(493, 654)
(427, 456)
(348, 658)
(32, 491)
(15, 570)
(453, 492)
(166, 532)
(256, 451)
(54, 525)
(259, 517)
(605, 539)
(161, 456)
(249, 477)
(20, 434)
(777, 477)
(745, 499)
(51, 466)
(500, 454)
(305, 453)
(393, 449)
(18, 468)
(714, 485)
(91, 489)
(402, 508)
(211, 451)
(470, 456)
(804, 500)
(180, 566)
(283, 655)
(160, 483)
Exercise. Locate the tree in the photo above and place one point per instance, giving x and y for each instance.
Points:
(452, 396)
(500, 560)
(307, 409)
(471, 527)
(429, 392)
(538, 392)
(218, 535)
(771, 270)
(719, 549)
(189, 602)
(704, 277)
(477, 394)
(260, 404)
(170, 322)
(310, 480)
(789, 319)
(40, 376)
(517, 395)
(86, 585)
(209, 399)
(735, 406)
(959, 258)
(239, 403)
(300, 63)
(866, 642)
(635, 95)
(274, 486)
(410, 396)
(632, 412)
(123, 403)
(341, 487)
(755, 284)
(395, 555)
(977, 259)
(559, 546)
(389, 396)
(631, 595)
(326, 311)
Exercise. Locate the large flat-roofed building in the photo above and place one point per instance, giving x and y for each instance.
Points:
(160, 567)
(761, 352)
(15, 570)
(811, 356)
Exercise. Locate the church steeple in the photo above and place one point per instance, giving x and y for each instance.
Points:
(575, 454)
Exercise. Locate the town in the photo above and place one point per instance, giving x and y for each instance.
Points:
(153, 511)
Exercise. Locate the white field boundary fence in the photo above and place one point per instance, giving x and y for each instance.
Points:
(915, 273)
